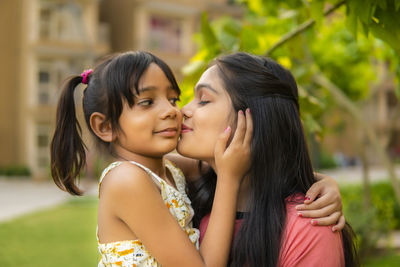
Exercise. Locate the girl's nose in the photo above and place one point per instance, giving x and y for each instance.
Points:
(170, 111)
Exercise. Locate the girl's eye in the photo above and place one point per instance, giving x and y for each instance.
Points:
(146, 102)
(174, 100)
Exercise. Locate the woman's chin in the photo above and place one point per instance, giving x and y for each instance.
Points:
(181, 149)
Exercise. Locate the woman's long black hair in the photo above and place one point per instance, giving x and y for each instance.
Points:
(281, 164)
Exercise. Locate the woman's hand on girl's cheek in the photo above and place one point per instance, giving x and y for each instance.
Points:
(235, 160)
(323, 203)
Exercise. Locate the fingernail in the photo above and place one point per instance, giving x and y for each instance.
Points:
(298, 208)
(307, 198)
(227, 129)
(333, 229)
(300, 214)
(241, 112)
(248, 110)
(314, 222)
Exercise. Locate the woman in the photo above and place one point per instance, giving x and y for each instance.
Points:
(270, 232)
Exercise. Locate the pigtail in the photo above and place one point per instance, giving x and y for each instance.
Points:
(68, 155)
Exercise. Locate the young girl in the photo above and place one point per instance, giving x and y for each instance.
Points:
(144, 214)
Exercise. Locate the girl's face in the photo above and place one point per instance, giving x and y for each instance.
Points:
(152, 125)
(205, 117)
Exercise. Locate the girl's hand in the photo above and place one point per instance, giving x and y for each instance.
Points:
(234, 160)
(327, 208)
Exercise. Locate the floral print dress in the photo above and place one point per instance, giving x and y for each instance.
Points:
(133, 253)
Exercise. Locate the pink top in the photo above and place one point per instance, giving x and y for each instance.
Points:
(304, 244)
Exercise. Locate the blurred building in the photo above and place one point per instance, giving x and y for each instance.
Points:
(44, 41)
(163, 27)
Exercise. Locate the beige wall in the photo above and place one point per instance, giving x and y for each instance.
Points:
(23, 53)
(10, 32)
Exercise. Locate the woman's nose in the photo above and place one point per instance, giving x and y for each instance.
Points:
(186, 111)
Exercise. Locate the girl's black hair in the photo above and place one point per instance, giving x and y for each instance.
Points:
(281, 164)
(112, 82)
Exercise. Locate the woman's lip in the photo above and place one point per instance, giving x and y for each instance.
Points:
(186, 130)
(184, 127)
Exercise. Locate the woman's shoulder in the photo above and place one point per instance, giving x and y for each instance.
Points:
(305, 244)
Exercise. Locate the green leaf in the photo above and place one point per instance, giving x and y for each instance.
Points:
(317, 11)
(397, 92)
(193, 67)
(207, 32)
(382, 4)
(310, 123)
(351, 20)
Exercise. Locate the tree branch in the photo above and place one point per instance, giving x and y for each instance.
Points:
(345, 102)
(301, 28)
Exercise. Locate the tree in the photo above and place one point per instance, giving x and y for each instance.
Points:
(317, 40)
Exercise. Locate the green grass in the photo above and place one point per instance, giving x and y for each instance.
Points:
(62, 236)
(386, 259)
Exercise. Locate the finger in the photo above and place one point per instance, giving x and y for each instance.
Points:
(249, 128)
(313, 193)
(321, 202)
(222, 140)
(240, 129)
(325, 221)
(340, 224)
(319, 213)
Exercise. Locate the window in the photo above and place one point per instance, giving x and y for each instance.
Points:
(42, 145)
(50, 75)
(165, 34)
(61, 21)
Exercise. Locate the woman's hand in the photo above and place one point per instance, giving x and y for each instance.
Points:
(327, 207)
(234, 161)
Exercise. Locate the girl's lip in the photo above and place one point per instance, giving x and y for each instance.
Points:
(168, 132)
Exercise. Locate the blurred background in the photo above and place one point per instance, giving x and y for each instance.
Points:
(344, 55)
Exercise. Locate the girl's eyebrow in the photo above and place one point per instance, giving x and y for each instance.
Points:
(148, 88)
(205, 85)
(152, 88)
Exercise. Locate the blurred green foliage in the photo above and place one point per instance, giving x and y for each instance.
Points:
(333, 47)
(15, 170)
(375, 222)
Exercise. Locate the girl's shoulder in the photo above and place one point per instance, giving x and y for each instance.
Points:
(120, 177)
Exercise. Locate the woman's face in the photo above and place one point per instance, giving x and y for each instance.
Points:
(205, 117)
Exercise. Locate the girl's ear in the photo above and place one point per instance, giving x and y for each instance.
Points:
(101, 127)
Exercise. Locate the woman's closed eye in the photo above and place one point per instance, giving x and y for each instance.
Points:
(203, 102)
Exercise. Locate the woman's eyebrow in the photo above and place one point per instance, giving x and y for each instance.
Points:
(205, 85)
